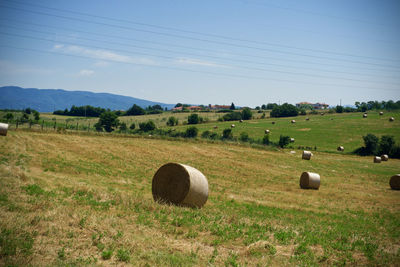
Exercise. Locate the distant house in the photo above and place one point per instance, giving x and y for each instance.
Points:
(314, 105)
(177, 108)
(194, 108)
(218, 107)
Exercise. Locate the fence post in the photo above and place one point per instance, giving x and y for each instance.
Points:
(16, 125)
(55, 124)
(77, 126)
(42, 124)
(88, 127)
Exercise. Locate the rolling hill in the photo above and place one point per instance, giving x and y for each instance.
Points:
(48, 100)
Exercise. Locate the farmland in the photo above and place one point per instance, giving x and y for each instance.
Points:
(81, 199)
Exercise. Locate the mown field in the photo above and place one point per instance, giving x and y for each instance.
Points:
(85, 199)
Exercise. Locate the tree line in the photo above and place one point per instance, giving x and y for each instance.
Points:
(90, 111)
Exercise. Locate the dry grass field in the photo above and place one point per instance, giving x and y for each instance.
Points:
(72, 200)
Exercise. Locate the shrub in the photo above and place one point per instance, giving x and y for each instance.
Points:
(244, 137)
(232, 116)
(108, 120)
(133, 126)
(172, 121)
(339, 109)
(191, 132)
(123, 255)
(206, 134)
(246, 114)
(285, 110)
(122, 126)
(303, 112)
(106, 254)
(194, 119)
(214, 136)
(265, 140)
(386, 144)
(284, 140)
(147, 126)
(371, 144)
(227, 134)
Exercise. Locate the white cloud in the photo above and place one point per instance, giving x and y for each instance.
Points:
(101, 64)
(86, 72)
(102, 54)
(191, 61)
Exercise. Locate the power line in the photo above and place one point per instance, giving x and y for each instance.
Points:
(188, 47)
(197, 71)
(197, 55)
(197, 39)
(198, 33)
(173, 58)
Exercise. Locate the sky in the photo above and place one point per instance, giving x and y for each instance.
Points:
(249, 52)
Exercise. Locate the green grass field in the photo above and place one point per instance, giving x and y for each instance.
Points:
(78, 199)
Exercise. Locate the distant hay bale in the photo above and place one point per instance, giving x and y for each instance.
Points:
(322, 114)
(381, 113)
(385, 157)
(306, 155)
(293, 121)
(241, 121)
(307, 119)
(267, 131)
(395, 182)
(340, 148)
(215, 127)
(377, 159)
(365, 115)
(310, 180)
(391, 119)
(291, 140)
(273, 122)
(233, 126)
(180, 184)
(3, 129)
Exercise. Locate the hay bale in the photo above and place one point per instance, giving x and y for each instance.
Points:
(322, 114)
(365, 115)
(180, 184)
(291, 140)
(273, 122)
(3, 129)
(267, 131)
(241, 121)
(391, 119)
(377, 159)
(310, 180)
(215, 127)
(385, 157)
(306, 155)
(293, 121)
(233, 126)
(381, 113)
(307, 119)
(395, 182)
(340, 148)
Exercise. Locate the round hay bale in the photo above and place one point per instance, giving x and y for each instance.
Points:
(3, 129)
(273, 122)
(306, 155)
(310, 180)
(291, 140)
(241, 121)
(391, 119)
(322, 114)
(395, 182)
(215, 127)
(307, 119)
(377, 159)
(180, 184)
(365, 115)
(233, 126)
(267, 131)
(381, 113)
(293, 121)
(385, 157)
(340, 148)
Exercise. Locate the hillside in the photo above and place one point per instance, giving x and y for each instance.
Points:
(76, 199)
(48, 100)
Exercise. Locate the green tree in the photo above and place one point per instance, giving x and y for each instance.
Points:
(172, 121)
(36, 115)
(386, 144)
(135, 110)
(371, 144)
(285, 110)
(246, 114)
(178, 105)
(339, 109)
(9, 116)
(244, 137)
(232, 107)
(132, 126)
(194, 119)
(108, 121)
(123, 127)
(227, 133)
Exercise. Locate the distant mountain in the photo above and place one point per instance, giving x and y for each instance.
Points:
(48, 100)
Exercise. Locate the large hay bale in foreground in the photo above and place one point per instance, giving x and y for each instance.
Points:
(310, 180)
(385, 157)
(340, 148)
(395, 182)
(180, 184)
(3, 129)
(306, 155)
(391, 119)
(377, 159)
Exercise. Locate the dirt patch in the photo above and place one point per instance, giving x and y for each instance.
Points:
(304, 129)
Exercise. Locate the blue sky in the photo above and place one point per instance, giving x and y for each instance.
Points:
(249, 52)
